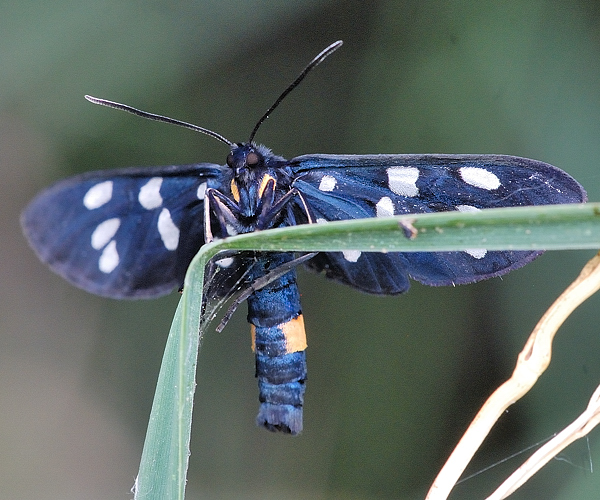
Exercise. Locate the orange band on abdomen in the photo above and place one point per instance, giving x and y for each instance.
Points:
(295, 334)
(293, 331)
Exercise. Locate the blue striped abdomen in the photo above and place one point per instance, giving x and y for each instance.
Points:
(279, 343)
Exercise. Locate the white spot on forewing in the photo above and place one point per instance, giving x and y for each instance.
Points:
(385, 207)
(320, 220)
(169, 232)
(467, 208)
(225, 263)
(351, 255)
(98, 195)
(478, 253)
(328, 183)
(105, 232)
(109, 259)
(403, 180)
(149, 196)
(479, 177)
(201, 193)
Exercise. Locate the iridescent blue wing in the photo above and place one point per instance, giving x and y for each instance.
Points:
(128, 233)
(339, 187)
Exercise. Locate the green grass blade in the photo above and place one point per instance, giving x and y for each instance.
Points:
(551, 227)
(164, 462)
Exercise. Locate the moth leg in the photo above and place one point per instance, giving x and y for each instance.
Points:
(225, 210)
(305, 207)
(261, 283)
(270, 211)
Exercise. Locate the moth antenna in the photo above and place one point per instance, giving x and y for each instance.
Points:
(158, 118)
(311, 65)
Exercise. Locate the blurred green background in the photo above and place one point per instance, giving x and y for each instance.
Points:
(393, 382)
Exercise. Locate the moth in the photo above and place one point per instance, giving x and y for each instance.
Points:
(131, 233)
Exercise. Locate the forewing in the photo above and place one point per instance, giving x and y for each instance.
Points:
(128, 233)
(350, 187)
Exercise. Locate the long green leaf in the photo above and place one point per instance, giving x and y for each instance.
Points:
(165, 457)
(552, 227)
(164, 462)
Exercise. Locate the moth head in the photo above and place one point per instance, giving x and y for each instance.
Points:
(245, 157)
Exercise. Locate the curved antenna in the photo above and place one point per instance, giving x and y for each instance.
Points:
(158, 118)
(311, 65)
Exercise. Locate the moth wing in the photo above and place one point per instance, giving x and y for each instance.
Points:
(352, 187)
(128, 233)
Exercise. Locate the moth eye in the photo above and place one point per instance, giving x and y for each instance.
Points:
(230, 160)
(252, 159)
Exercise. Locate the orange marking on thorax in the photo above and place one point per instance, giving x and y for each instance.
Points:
(263, 184)
(235, 191)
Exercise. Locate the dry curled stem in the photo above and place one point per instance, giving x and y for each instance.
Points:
(531, 363)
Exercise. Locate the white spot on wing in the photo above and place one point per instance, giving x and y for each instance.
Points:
(385, 207)
(98, 195)
(149, 196)
(479, 177)
(403, 180)
(477, 253)
(169, 232)
(225, 263)
(351, 255)
(328, 183)
(467, 208)
(109, 258)
(201, 193)
(104, 233)
(320, 220)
